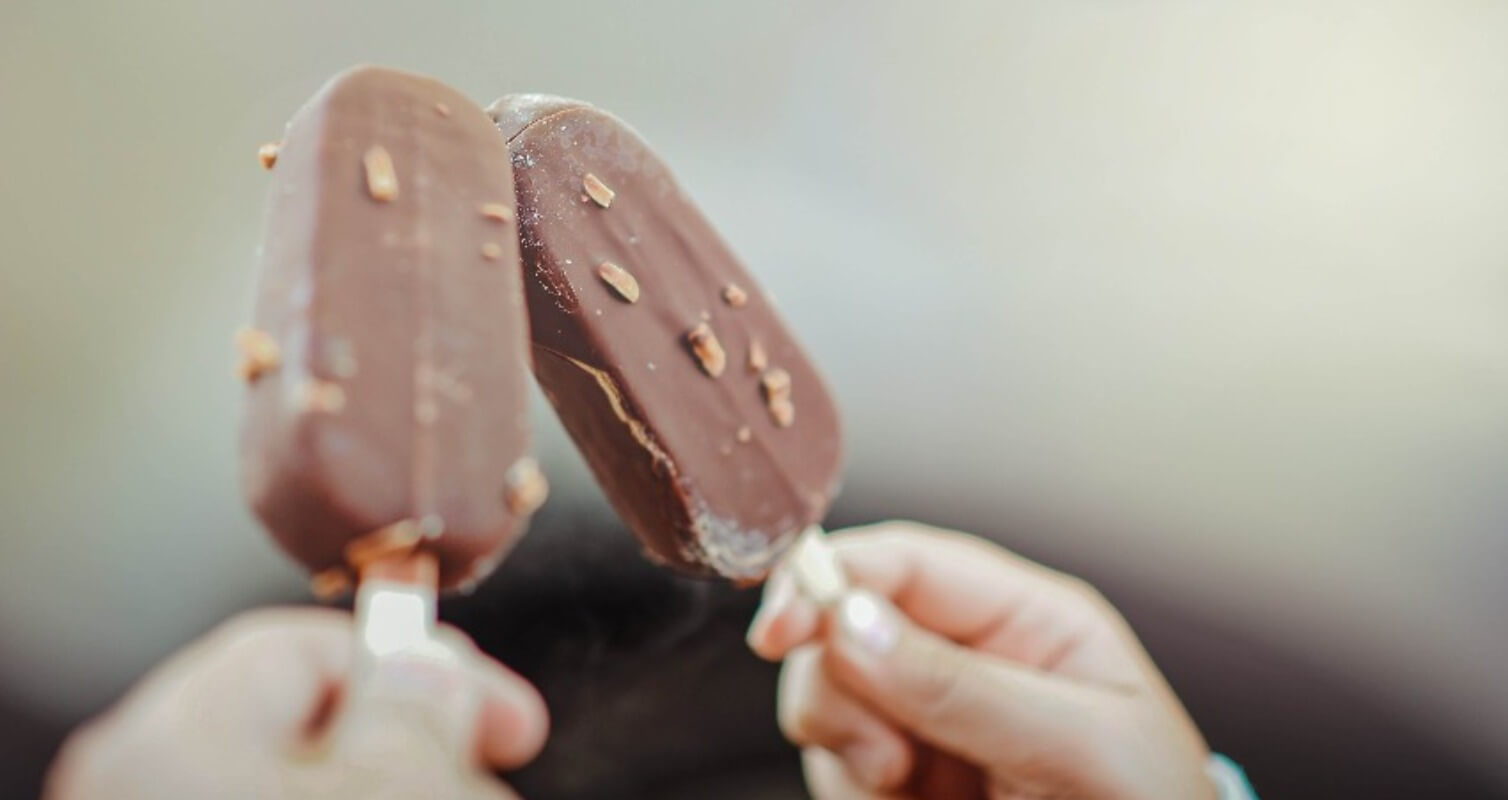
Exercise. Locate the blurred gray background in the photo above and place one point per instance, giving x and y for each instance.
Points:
(1219, 290)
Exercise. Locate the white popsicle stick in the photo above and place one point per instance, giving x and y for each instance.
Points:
(813, 561)
(404, 674)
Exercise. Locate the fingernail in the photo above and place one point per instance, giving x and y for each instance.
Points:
(867, 764)
(868, 622)
(778, 596)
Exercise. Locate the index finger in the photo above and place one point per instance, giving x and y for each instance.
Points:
(955, 584)
(959, 586)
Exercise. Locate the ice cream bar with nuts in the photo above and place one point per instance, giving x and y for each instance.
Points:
(710, 431)
(387, 363)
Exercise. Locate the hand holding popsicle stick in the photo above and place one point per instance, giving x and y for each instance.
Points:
(386, 371)
(279, 705)
(718, 443)
(952, 668)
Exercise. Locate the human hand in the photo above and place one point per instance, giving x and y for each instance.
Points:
(957, 669)
(263, 707)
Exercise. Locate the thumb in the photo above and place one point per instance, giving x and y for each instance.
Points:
(419, 706)
(989, 711)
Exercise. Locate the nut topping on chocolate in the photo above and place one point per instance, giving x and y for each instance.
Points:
(623, 283)
(597, 190)
(331, 583)
(524, 487)
(735, 296)
(776, 385)
(259, 353)
(268, 154)
(391, 540)
(783, 413)
(497, 212)
(758, 360)
(744, 435)
(382, 181)
(706, 348)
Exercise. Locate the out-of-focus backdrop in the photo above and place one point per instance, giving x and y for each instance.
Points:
(1205, 301)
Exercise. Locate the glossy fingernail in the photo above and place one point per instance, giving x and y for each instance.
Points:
(779, 594)
(867, 764)
(869, 622)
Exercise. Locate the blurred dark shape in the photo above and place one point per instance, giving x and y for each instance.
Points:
(27, 744)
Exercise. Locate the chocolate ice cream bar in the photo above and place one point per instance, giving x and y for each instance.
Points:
(710, 431)
(387, 364)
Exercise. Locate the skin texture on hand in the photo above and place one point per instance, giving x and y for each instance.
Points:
(956, 669)
(263, 707)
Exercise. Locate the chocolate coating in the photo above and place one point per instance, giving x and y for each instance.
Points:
(397, 305)
(713, 476)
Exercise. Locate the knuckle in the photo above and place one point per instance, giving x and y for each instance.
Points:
(909, 533)
(801, 705)
(266, 629)
(908, 529)
(797, 722)
(1095, 606)
(799, 715)
(792, 708)
(939, 679)
(248, 630)
(1084, 590)
(891, 533)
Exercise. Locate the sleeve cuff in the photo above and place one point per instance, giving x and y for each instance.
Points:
(1229, 779)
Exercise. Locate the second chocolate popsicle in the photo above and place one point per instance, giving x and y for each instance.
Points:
(709, 429)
